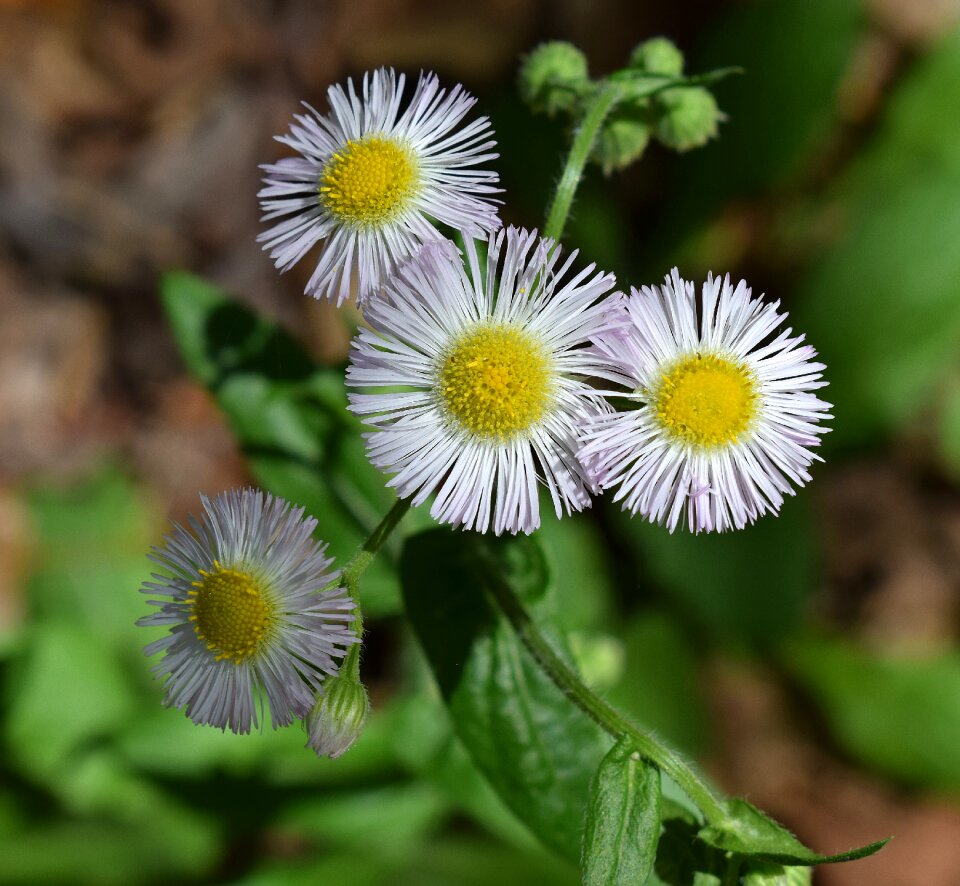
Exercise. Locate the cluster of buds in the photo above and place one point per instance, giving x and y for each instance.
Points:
(655, 100)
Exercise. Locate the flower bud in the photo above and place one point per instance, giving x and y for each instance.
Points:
(338, 717)
(689, 120)
(658, 56)
(622, 140)
(553, 76)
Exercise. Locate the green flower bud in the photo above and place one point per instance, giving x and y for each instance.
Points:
(658, 56)
(553, 77)
(622, 141)
(689, 118)
(338, 717)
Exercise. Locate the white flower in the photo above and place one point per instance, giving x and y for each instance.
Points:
(246, 613)
(722, 416)
(372, 178)
(491, 365)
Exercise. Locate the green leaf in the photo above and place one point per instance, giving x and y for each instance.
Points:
(94, 535)
(71, 852)
(400, 814)
(748, 831)
(536, 748)
(901, 716)
(290, 419)
(422, 738)
(768, 874)
(448, 861)
(467, 861)
(745, 585)
(623, 819)
(785, 104)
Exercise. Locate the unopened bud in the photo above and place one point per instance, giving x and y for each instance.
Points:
(689, 119)
(658, 56)
(553, 77)
(338, 717)
(622, 140)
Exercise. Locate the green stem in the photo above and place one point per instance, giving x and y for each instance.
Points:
(609, 719)
(600, 105)
(350, 577)
(731, 876)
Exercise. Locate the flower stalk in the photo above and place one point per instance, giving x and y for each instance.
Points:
(605, 716)
(600, 105)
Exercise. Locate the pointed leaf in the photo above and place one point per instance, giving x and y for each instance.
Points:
(748, 831)
(538, 750)
(623, 819)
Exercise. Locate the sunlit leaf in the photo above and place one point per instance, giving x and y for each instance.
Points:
(537, 749)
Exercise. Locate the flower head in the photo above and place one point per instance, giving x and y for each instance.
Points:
(723, 416)
(370, 178)
(248, 619)
(487, 367)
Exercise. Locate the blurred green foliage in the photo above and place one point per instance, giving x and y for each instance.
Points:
(882, 303)
(898, 714)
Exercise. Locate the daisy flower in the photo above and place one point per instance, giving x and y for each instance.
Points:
(723, 416)
(246, 613)
(371, 179)
(486, 368)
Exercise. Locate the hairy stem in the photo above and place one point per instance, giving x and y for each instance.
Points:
(609, 719)
(350, 577)
(600, 105)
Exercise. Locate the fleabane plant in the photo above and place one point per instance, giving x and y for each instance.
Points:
(489, 369)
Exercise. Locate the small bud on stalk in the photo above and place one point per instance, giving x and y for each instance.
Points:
(658, 56)
(553, 76)
(690, 118)
(338, 717)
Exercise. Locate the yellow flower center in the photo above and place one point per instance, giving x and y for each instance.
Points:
(706, 400)
(231, 613)
(368, 181)
(496, 381)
